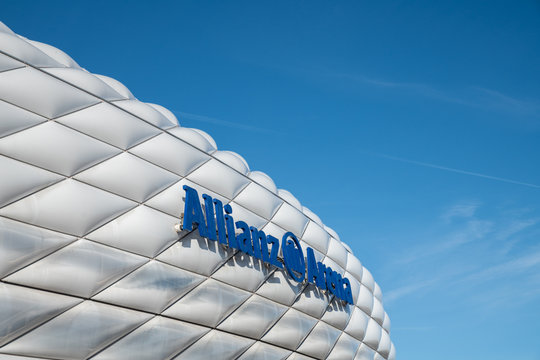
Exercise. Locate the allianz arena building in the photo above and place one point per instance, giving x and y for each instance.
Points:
(124, 235)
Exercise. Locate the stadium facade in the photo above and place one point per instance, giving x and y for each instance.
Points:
(126, 236)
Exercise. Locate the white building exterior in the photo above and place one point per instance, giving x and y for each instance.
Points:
(91, 263)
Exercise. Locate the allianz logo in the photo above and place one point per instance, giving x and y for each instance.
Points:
(216, 223)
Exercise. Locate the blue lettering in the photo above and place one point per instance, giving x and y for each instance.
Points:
(219, 225)
(315, 271)
(193, 213)
(293, 257)
(229, 221)
(274, 252)
(210, 220)
(347, 291)
(220, 220)
(257, 237)
(244, 238)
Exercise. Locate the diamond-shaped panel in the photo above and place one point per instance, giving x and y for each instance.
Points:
(15, 118)
(19, 179)
(24, 51)
(216, 345)
(150, 288)
(262, 351)
(47, 96)
(7, 63)
(78, 332)
(170, 153)
(290, 330)
(196, 254)
(345, 348)
(86, 81)
(81, 269)
(22, 309)
(128, 176)
(56, 148)
(208, 304)
(243, 271)
(253, 317)
(109, 124)
(159, 338)
(320, 341)
(69, 206)
(142, 230)
(22, 244)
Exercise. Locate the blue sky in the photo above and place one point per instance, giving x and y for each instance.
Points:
(412, 128)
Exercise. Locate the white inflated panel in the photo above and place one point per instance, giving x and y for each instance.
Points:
(320, 341)
(264, 180)
(15, 118)
(216, 345)
(79, 332)
(68, 206)
(159, 338)
(345, 348)
(47, 96)
(143, 179)
(22, 244)
(170, 153)
(263, 351)
(254, 317)
(55, 54)
(24, 51)
(367, 279)
(358, 325)
(146, 112)
(22, 309)
(290, 330)
(7, 63)
(208, 304)
(74, 153)
(151, 287)
(220, 178)
(21, 179)
(117, 86)
(96, 266)
(195, 138)
(85, 81)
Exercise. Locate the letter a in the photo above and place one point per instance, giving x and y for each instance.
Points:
(193, 212)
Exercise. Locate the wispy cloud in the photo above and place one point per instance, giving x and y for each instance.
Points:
(418, 88)
(413, 328)
(505, 285)
(480, 274)
(216, 121)
(464, 210)
(454, 170)
(497, 100)
(472, 230)
(472, 96)
(518, 265)
(408, 289)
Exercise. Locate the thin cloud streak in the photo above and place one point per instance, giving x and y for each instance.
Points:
(466, 210)
(400, 292)
(413, 328)
(422, 89)
(458, 171)
(473, 230)
(479, 282)
(216, 121)
(476, 96)
(518, 265)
